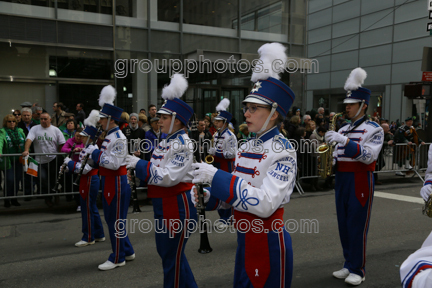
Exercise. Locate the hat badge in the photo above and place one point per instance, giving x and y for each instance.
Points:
(348, 94)
(256, 87)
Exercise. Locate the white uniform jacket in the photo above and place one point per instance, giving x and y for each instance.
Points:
(169, 166)
(113, 152)
(362, 151)
(225, 144)
(263, 179)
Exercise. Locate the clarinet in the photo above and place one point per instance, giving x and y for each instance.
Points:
(204, 241)
(84, 161)
(57, 186)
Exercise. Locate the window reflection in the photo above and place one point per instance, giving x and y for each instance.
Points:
(210, 13)
(168, 10)
(264, 16)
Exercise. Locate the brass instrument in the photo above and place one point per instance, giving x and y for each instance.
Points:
(427, 208)
(325, 161)
(209, 159)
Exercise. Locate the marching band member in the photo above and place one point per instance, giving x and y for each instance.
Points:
(224, 150)
(416, 270)
(168, 175)
(110, 160)
(355, 154)
(88, 187)
(262, 182)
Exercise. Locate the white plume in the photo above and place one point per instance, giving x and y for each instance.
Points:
(92, 119)
(223, 105)
(107, 95)
(176, 88)
(355, 79)
(268, 53)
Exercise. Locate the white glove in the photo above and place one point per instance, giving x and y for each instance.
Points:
(195, 198)
(212, 151)
(426, 191)
(90, 149)
(67, 160)
(333, 136)
(204, 173)
(131, 161)
(334, 161)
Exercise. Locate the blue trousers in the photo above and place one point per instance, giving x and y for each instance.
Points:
(280, 253)
(354, 197)
(13, 177)
(91, 222)
(116, 217)
(171, 241)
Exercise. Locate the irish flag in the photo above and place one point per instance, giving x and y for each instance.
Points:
(32, 167)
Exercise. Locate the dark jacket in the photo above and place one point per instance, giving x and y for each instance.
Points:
(133, 135)
(204, 148)
(151, 135)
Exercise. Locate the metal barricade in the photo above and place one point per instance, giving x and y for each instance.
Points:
(18, 184)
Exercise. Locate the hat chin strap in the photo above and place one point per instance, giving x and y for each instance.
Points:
(172, 122)
(358, 112)
(274, 107)
(108, 122)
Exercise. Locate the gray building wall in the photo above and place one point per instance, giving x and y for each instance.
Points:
(386, 38)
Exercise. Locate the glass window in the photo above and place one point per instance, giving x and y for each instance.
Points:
(318, 35)
(338, 78)
(168, 10)
(220, 13)
(320, 19)
(368, 20)
(344, 60)
(406, 72)
(319, 49)
(251, 46)
(318, 81)
(166, 42)
(297, 50)
(410, 50)
(315, 5)
(193, 42)
(43, 3)
(375, 56)
(376, 37)
(324, 63)
(346, 28)
(128, 38)
(346, 11)
(265, 16)
(343, 44)
(410, 30)
(370, 6)
(94, 6)
(377, 75)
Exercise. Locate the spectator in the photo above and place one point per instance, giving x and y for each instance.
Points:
(11, 142)
(143, 111)
(17, 114)
(36, 112)
(26, 120)
(207, 121)
(154, 136)
(26, 105)
(142, 122)
(212, 128)
(321, 111)
(292, 126)
(58, 118)
(134, 132)
(388, 141)
(124, 120)
(79, 145)
(310, 128)
(201, 135)
(81, 115)
(306, 119)
(317, 139)
(244, 133)
(282, 130)
(47, 139)
(70, 129)
(152, 112)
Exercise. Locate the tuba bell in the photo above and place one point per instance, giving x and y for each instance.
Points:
(427, 208)
(325, 151)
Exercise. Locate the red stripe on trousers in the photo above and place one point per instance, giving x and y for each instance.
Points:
(233, 178)
(283, 262)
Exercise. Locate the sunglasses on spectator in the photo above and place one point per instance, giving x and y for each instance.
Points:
(11, 121)
(17, 114)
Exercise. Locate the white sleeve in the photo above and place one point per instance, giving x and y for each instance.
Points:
(428, 175)
(178, 165)
(31, 135)
(262, 201)
(368, 151)
(60, 137)
(87, 168)
(230, 147)
(114, 157)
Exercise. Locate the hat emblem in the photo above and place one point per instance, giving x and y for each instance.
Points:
(348, 94)
(256, 87)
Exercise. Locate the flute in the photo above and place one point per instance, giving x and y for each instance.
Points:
(85, 159)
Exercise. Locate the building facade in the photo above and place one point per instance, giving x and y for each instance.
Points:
(67, 50)
(386, 38)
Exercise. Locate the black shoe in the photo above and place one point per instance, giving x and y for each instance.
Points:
(7, 203)
(15, 202)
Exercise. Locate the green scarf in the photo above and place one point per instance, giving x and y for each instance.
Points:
(15, 137)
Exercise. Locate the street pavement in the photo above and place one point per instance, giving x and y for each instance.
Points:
(37, 244)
